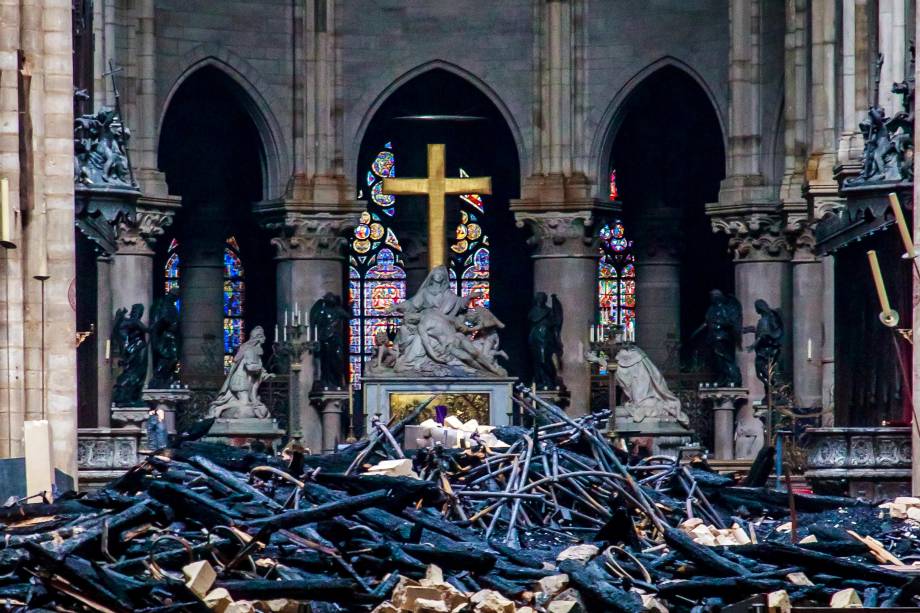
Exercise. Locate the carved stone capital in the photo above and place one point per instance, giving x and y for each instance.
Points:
(305, 236)
(135, 234)
(800, 232)
(559, 233)
(756, 236)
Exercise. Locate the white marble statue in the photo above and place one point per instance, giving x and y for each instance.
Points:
(441, 335)
(239, 395)
(749, 434)
(647, 393)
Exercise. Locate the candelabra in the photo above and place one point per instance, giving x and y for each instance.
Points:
(293, 338)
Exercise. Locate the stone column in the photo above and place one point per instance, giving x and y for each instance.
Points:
(311, 262)
(104, 312)
(565, 264)
(762, 271)
(892, 44)
(658, 286)
(202, 318)
(915, 321)
(807, 318)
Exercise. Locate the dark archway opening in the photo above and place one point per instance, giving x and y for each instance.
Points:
(481, 147)
(214, 158)
(669, 159)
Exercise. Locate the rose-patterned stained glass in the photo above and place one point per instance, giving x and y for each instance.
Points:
(376, 279)
(234, 301)
(616, 278)
(469, 257)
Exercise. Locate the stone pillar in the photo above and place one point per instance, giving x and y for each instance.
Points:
(915, 321)
(892, 44)
(311, 262)
(762, 271)
(658, 286)
(565, 264)
(807, 319)
(104, 312)
(202, 318)
(828, 341)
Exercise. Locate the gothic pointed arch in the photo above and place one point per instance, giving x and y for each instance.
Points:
(618, 108)
(373, 108)
(250, 89)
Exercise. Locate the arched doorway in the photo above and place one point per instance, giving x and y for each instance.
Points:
(487, 251)
(215, 253)
(667, 158)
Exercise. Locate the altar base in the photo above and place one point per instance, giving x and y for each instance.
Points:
(244, 431)
(388, 396)
(662, 437)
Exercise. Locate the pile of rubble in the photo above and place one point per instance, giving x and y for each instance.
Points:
(552, 519)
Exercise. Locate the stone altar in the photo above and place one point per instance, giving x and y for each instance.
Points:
(443, 346)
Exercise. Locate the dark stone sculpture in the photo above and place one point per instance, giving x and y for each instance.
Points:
(768, 342)
(723, 335)
(889, 141)
(330, 320)
(545, 340)
(164, 341)
(130, 335)
(100, 151)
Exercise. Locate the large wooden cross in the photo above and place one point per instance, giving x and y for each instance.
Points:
(436, 186)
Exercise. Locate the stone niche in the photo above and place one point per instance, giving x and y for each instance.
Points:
(870, 463)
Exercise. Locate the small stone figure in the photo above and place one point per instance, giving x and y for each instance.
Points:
(157, 435)
(385, 351)
(330, 320)
(723, 336)
(647, 393)
(749, 433)
(768, 342)
(239, 395)
(545, 340)
(130, 335)
(164, 341)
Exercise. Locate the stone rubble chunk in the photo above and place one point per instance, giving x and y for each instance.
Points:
(218, 600)
(385, 607)
(552, 584)
(778, 602)
(800, 579)
(846, 599)
(580, 553)
(652, 604)
(490, 601)
(564, 606)
(393, 468)
(425, 605)
(200, 576)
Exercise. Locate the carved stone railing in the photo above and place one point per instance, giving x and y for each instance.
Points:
(106, 453)
(872, 463)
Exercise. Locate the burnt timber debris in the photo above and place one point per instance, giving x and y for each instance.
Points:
(555, 519)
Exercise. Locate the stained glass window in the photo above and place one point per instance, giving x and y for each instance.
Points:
(171, 270)
(614, 193)
(616, 279)
(376, 278)
(469, 259)
(234, 301)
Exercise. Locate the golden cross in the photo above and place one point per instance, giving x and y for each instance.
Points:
(436, 186)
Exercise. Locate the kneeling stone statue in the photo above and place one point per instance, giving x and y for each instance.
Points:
(239, 396)
(647, 393)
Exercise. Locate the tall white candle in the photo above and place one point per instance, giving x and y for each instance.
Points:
(809, 349)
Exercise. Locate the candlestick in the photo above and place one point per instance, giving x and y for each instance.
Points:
(888, 316)
(276, 333)
(108, 349)
(285, 318)
(285, 334)
(906, 237)
(809, 350)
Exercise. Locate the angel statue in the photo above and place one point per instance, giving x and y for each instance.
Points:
(130, 336)
(545, 340)
(164, 341)
(239, 395)
(723, 336)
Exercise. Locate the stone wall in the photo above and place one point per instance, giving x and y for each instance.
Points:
(37, 382)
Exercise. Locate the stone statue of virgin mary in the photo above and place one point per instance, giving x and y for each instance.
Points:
(647, 393)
